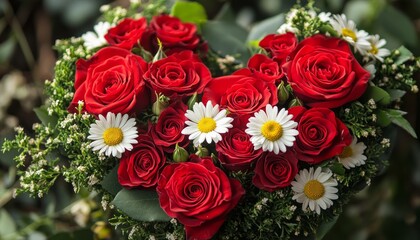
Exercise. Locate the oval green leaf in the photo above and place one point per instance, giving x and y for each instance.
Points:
(377, 94)
(110, 181)
(191, 12)
(142, 205)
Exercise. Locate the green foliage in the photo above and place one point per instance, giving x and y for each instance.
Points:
(110, 182)
(191, 12)
(142, 205)
(265, 27)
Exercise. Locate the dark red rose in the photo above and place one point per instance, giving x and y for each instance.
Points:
(174, 34)
(199, 195)
(167, 130)
(279, 45)
(324, 73)
(263, 67)
(127, 33)
(181, 74)
(240, 94)
(111, 81)
(141, 167)
(275, 171)
(321, 134)
(236, 151)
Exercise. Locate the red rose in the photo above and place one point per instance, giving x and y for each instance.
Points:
(111, 81)
(167, 130)
(240, 94)
(324, 73)
(141, 167)
(279, 45)
(127, 33)
(181, 74)
(275, 171)
(321, 134)
(173, 34)
(199, 195)
(236, 151)
(263, 67)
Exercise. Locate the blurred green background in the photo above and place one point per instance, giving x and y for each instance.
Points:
(388, 209)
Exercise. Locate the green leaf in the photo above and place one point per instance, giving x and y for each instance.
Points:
(192, 12)
(385, 117)
(226, 38)
(404, 56)
(378, 94)
(46, 119)
(338, 169)
(110, 181)
(396, 94)
(397, 118)
(382, 118)
(394, 24)
(263, 28)
(324, 228)
(142, 205)
(7, 224)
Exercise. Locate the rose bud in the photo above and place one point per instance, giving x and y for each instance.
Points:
(295, 103)
(180, 154)
(161, 104)
(202, 152)
(283, 93)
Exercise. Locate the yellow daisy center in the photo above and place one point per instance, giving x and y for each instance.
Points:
(314, 190)
(374, 49)
(206, 125)
(272, 130)
(347, 152)
(113, 136)
(349, 33)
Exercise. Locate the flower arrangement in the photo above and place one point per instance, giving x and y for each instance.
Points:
(184, 141)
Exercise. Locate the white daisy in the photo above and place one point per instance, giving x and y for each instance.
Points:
(96, 39)
(113, 135)
(352, 155)
(324, 16)
(376, 50)
(347, 30)
(272, 130)
(315, 189)
(206, 123)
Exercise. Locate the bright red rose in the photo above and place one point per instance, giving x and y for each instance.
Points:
(141, 167)
(199, 195)
(167, 130)
(236, 151)
(263, 67)
(179, 75)
(321, 134)
(111, 81)
(275, 171)
(174, 34)
(324, 73)
(279, 45)
(240, 94)
(127, 33)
